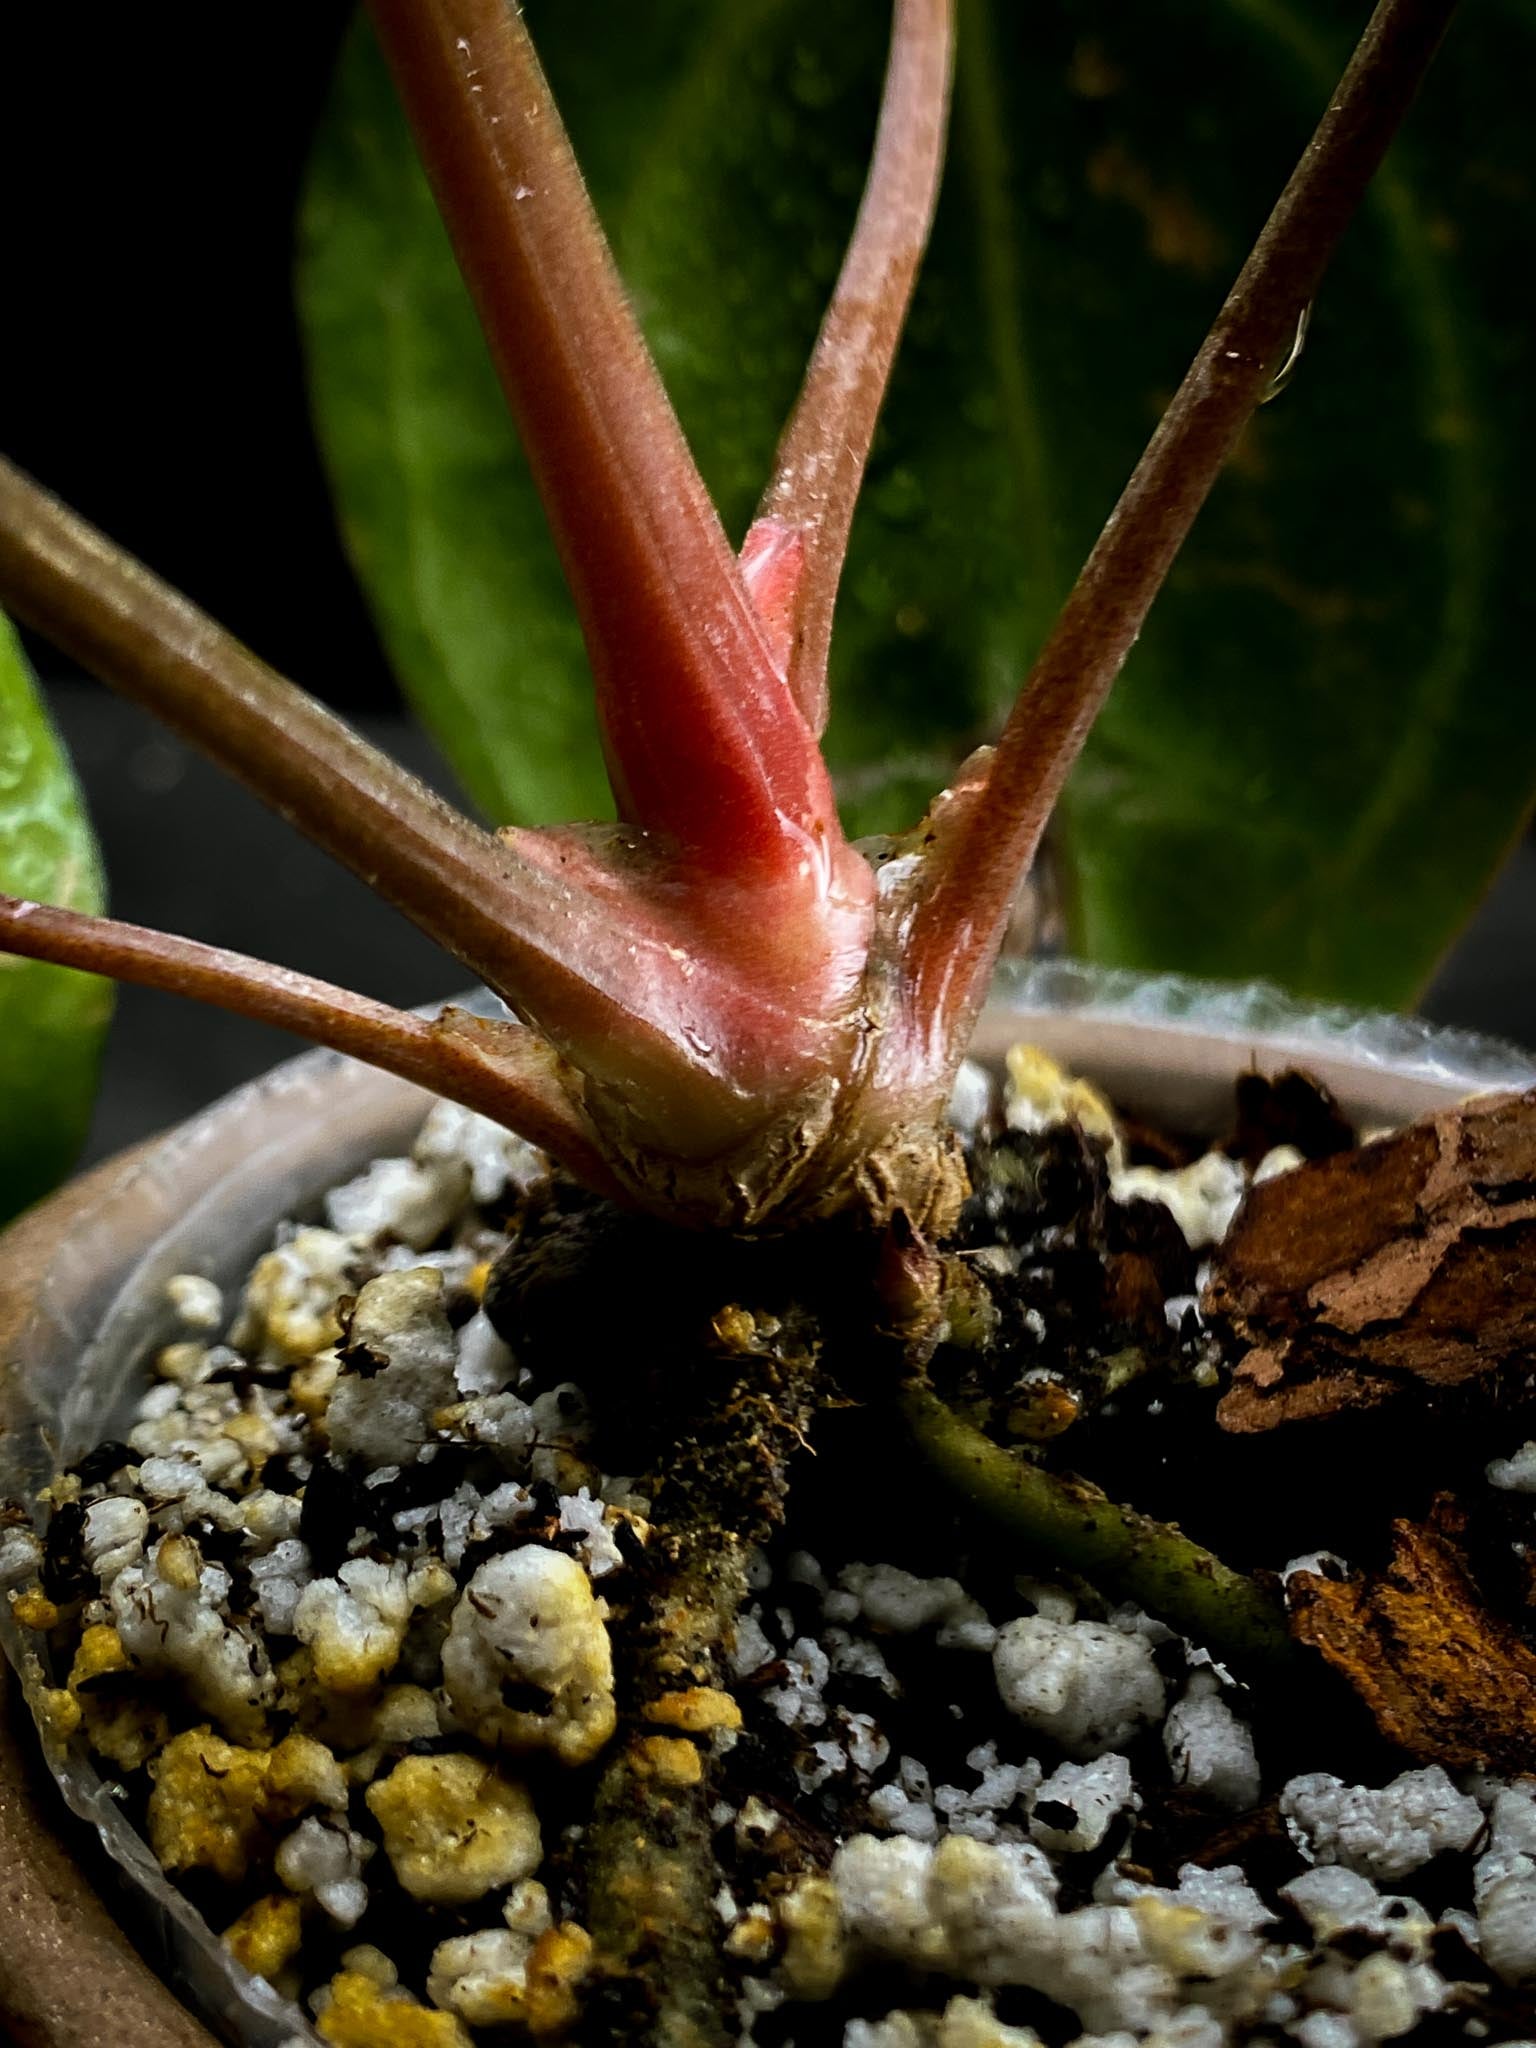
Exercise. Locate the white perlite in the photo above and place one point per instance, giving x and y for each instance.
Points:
(325, 1858)
(892, 1599)
(355, 1624)
(1517, 1473)
(493, 1157)
(1076, 1806)
(1382, 1833)
(1202, 1197)
(973, 1102)
(114, 1535)
(1331, 1899)
(964, 2023)
(527, 1664)
(1209, 1749)
(986, 1913)
(798, 1701)
(983, 1810)
(280, 1576)
(400, 1199)
(198, 1303)
(437, 1624)
(1082, 1683)
(1504, 1884)
(401, 1354)
(171, 1615)
(924, 1905)
(483, 1977)
(485, 1363)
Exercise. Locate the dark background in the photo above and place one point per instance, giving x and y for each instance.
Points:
(150, 373)
(151, 159)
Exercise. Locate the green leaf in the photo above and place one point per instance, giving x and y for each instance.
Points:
(52, 1020)
(1325, 738)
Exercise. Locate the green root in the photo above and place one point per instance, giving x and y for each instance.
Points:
(1067, 1522)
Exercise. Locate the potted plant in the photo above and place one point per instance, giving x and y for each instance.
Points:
(730, 1021)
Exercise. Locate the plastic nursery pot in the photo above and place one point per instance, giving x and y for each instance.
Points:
(82, 1303)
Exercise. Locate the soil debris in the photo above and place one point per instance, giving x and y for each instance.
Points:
(1291, 1108)
(1407, 1264)
(593, 1643)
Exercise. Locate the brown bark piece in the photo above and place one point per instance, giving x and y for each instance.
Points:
(1406, 1263)
(1445, 1680)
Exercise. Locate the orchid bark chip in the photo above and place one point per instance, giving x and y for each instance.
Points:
(1407, 1266)
(1445, 1679)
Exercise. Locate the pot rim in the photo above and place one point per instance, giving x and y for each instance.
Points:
(1115, 1024)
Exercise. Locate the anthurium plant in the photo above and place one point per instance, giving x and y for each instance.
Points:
(724, 1010)
(736, 1028)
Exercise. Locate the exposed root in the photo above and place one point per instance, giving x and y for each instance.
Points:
(1069, 1522)
(652, 1875)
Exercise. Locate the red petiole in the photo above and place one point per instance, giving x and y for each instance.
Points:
(726, 1016)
